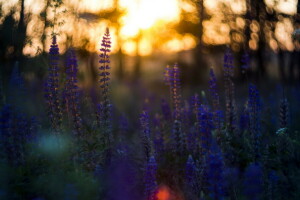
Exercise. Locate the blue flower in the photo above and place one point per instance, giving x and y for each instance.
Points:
(150, 179)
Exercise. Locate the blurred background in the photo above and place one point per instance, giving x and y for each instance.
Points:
(146, 36)
(149, 34)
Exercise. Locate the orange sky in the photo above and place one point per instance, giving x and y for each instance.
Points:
(143, 16)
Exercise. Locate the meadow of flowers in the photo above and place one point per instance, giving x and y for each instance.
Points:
(213, 144)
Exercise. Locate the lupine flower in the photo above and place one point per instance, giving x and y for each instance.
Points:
(253, 183)
(215, 100)
(187, 115)
(213, 90)
(150, 179)
(283, 113)
(166, 111)
(190, 172)
(228, 64)
(172, 77)
(229, 91)
(122, 176)
(122, 180)
(104, 84)
(192, 179)
(145, 120)
(254, 116)
(51, 88)
(244, 120)
(191, 139)
(176, 93)
(194, 134)
(71, 91)
(146, 141)
(206, 126)
(167, 75)
(178, 138)
(215, 172)
(195, 102)
(158, 142)
(124, 125)
(15, 131)
(245, 61)
(272, 103)
(158, 136)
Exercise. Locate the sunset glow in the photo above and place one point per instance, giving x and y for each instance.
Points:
(143, 14)
(146, 25)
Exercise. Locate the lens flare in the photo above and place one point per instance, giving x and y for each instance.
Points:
(163, 194)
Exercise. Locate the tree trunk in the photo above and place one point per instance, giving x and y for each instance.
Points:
(200, 65)
(137, 65)
(21, 33)
(281, 65)
(44, 17)
(260, 17)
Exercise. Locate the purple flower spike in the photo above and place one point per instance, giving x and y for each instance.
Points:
(150, 179)
(72, 91)
(254, 117)
(51, 88)
(215, 172)
(205, 126)
(190, 171)
(145, 137)
(228, 63)
(104, 85)
(245, 61)
(228, 69)
(284, 113)
(172, 79)
(215, 100)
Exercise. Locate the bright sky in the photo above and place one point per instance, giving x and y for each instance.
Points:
(142, 14)
(145, 16)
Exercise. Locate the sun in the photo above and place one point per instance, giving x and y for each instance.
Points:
(143, 14)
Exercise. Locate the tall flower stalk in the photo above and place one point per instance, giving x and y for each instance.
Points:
(72, 91)
(283, 113)
(178, 139)
(229, 91)
(172, 78)
(150, 179)
(205, 126)
(215, 172)
(104, 84)
(215, 100)
(254, 117)
(52, 88)
(145, 137)
(190, 170)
